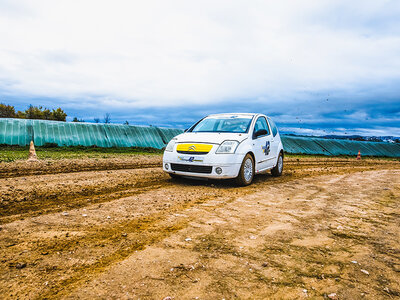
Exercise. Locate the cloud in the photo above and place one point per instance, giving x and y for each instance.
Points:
(154, 55)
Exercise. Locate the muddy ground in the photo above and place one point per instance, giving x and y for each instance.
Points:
(121, 229)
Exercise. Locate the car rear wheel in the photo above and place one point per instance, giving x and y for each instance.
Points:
(246, 173)
(277, 170)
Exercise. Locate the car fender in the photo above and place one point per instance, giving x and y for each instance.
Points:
(280, 148)
(244, 147)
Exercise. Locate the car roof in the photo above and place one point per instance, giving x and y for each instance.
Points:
(233, 114)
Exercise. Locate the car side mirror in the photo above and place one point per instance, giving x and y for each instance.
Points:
(260, 133)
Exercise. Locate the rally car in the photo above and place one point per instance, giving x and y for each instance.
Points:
(222, 146)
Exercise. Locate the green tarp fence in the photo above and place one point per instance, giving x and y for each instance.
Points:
(21, 132)
(314, 145)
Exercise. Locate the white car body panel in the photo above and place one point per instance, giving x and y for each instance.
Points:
(229, 163)
(209, 138)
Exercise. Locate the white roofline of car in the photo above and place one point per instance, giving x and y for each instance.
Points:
(235, 114)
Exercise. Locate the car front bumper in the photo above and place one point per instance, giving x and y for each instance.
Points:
(196, 165)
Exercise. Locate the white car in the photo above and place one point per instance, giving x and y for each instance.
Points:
(226, 146)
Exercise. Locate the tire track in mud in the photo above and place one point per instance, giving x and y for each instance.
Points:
(33, 210)
(36, 172)
(108, 243)
(142, 233)
(95, 247)
(299, 263)
(64, 166)
(42, 194)
(322, 213)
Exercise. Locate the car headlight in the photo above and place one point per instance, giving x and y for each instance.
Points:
(170, 146)
(228, 147)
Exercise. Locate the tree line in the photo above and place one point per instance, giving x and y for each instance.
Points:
(32, 112)
(42, 113)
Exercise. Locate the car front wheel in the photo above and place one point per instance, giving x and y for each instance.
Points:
(277, 170)
(246, 173)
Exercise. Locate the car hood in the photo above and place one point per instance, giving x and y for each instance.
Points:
(210, 137)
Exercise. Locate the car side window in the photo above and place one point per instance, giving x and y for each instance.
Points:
(261, 124)
(273, 127)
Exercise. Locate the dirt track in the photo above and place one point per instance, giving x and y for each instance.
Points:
(123, 229)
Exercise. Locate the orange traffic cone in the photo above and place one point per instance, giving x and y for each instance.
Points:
(359, 155)
(32, 153)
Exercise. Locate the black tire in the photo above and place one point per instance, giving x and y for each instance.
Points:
(278, 169)
(243, 178)
(174, 176)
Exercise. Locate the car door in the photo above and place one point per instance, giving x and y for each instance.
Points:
(275, 139)
(262, 139)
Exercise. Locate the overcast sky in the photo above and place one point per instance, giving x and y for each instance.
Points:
(316, 67)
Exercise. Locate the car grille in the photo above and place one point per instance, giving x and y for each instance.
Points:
(192, 152)
(191, 168)
(197, 149)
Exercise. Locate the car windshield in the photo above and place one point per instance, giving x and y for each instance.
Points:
(237, 124)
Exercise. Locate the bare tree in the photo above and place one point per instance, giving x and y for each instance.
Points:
(96, 120)
(107, 118)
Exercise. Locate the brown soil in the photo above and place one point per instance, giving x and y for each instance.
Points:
(122, 229)
(42, 167)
